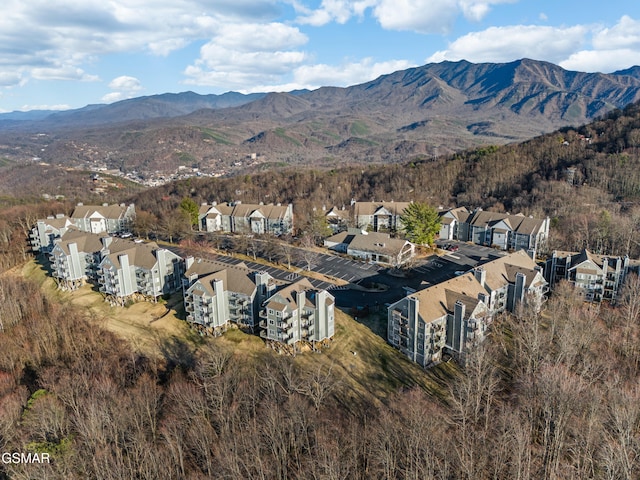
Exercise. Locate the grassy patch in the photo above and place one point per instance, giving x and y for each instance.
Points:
(186, 158)
(359, 128)
(283, 134)
(217, 137)
(362, 141)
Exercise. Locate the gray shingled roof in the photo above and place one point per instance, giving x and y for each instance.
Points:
(109, 211)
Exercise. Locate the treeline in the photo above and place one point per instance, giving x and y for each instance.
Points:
(16, 221)
(552, 396)
(530, 177)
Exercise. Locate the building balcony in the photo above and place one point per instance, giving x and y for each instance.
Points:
(262, 324)
(263, 334)
(263, 314)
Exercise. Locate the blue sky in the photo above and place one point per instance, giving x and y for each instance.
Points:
(57, 54)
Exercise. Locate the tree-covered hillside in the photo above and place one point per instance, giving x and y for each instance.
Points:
(586, 179)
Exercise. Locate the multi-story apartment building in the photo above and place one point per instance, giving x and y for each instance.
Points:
(238, 217)
(87, 218)
(379, 216)
(453, 316)
(217, 293)
(104, 218)
(450, 221)
(298, 312)
(74, 258)
(450, 315)
(339, 219)
(510, 281)
(597, 277)
(47, 230)
(499, 230)
(127, 268)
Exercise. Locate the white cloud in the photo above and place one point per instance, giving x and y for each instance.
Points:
(601, 61)
(56, 38)
(625, 34)
(476, 10)
(422, 16)
(124, 87)
(113, 97)
(612, 49)
(129, 84)
(339, 11)
(67, 72)
(504, 44)
(315, 76)
(585, 48)
(259, 37)
(10, 79)
(26, 108)
(244, 55)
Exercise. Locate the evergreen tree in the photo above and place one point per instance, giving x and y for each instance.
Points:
(421, 223)
(189, 207)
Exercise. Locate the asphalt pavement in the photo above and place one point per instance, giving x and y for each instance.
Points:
(430, 271)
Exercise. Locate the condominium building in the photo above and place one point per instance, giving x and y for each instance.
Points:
(379, 216)
(453, 316)
(597, 277)
(298, 312)
(47, 230)
(127, 268)
(499, 230)
(74, 258)
(104, 218)
(374, 247)
(216, 293)
(87, 218)
(238, 217)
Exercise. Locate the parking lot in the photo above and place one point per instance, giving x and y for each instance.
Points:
(430, 271)
(341, 267)
(437, 269)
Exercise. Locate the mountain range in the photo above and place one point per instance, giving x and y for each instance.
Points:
(419, 112)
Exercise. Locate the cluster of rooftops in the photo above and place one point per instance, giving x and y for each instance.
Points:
(448, 317)
(215, 294)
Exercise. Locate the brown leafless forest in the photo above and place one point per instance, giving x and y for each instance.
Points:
(551, 396)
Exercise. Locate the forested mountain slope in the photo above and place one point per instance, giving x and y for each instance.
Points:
(420, 112)
(595, 209)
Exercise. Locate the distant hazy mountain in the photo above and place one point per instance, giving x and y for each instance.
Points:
(166, 105)
(428, 110)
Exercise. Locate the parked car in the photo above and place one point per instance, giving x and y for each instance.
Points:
(454, 248)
